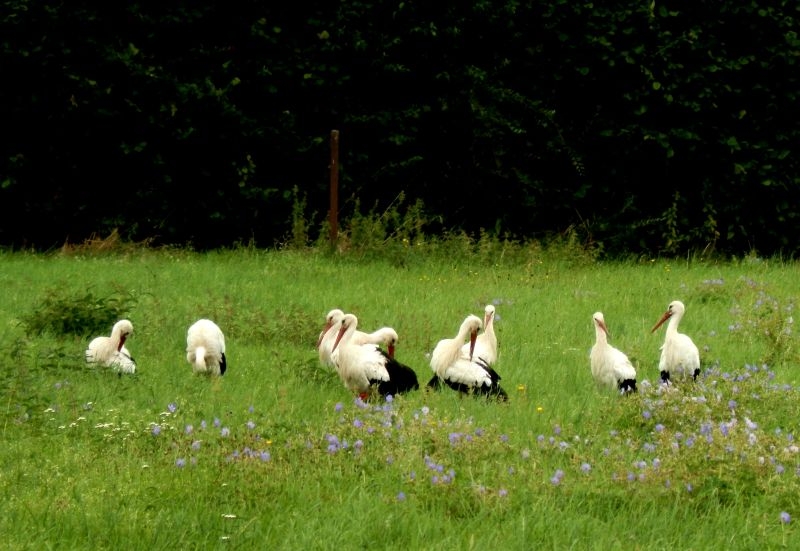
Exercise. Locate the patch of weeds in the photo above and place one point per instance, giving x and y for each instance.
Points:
(84, 313)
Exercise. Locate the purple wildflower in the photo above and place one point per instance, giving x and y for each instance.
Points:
(156, 430)
(785, 518)
(401, 496)
(180, 462)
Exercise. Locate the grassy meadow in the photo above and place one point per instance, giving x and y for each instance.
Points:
(277, 454)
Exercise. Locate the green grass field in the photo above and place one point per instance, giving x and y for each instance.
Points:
(277, 454)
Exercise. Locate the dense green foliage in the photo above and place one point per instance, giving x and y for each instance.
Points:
(646, 127)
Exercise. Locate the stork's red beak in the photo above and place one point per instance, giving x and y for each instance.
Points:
(325, 329)
(665, 317)
(121, 342)
(602, 326)
(339, 337)
(472, 337)
(391, 350)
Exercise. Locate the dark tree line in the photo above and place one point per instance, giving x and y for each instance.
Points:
(656, 127)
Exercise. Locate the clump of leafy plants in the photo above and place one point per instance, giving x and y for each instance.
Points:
(763, 315)
(84, 313)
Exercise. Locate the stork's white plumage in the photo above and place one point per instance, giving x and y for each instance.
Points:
(486, 343)
(462, 370)
(679, 355)
(364, 366)
(111, 351)
(610, 366)
(205, 348)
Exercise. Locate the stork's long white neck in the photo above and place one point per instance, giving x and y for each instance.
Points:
(600, 334)
(452, 350)
(674, 320)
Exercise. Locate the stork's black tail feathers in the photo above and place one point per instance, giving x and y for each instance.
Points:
(627, 386)
(401, 378)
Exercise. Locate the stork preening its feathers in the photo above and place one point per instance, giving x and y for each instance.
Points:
(205, 348)
(463, 371)
(610, 366)
(385, 336)
(679, 355)
(363, 367)
(486, 342)
(111, 351)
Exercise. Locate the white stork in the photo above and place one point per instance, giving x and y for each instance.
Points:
(462, 371)
(111, 351)
(610, 366)
(205, 348)
(486, 343)
(385, 336)
(679, 355)
(362, 366)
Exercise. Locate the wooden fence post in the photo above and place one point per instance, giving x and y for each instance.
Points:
(333, 215)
